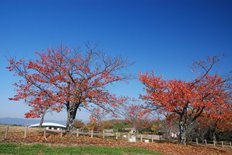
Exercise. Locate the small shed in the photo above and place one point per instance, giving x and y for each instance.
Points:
(49, 126)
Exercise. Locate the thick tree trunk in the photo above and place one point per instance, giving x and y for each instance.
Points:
(183, 132)
(71, 115)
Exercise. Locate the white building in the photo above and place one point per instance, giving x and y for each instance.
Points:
(49, 126)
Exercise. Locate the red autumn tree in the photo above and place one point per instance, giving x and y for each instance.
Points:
(78, 124)
(207, 94)
(137, 117)
(64, 78)
(216, 124)
(135, 114)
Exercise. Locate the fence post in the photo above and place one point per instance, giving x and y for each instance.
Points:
(77, 132)
(230, 145)
(152, 139)
(91, 133)
(205, 142)
(25, 131)
(103, 134)
(6, 133)
(222, 144)
(141, 138)
(197, 141)
(214, 143)
(45, 134)
(116, 135)
(61, 133)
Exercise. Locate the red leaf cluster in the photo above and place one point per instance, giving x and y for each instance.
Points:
(63, 77)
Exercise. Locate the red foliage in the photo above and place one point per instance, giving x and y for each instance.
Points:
(135, 114)
(221, 123)
(175, 95)
(207, 94)
(62, 77)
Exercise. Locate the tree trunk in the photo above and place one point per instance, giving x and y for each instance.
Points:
(71, 115)
(214, 132)
(183, 132)
(42, 118)
(214, 137)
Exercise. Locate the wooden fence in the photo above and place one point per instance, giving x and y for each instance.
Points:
(212, 143)
(25, 132)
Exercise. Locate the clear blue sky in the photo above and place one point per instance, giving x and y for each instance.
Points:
(160, 35)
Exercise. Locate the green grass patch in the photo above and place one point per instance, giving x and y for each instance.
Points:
(34, 149)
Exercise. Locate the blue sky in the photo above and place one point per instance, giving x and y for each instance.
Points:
(160, 35)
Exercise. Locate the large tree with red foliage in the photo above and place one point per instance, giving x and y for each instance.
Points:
(66, 78)
(208, 94)
(214, 124)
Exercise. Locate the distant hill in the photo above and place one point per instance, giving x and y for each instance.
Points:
(25, 121)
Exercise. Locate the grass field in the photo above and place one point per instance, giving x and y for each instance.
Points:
(34, 149)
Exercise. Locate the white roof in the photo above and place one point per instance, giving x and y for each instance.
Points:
(48, 124)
